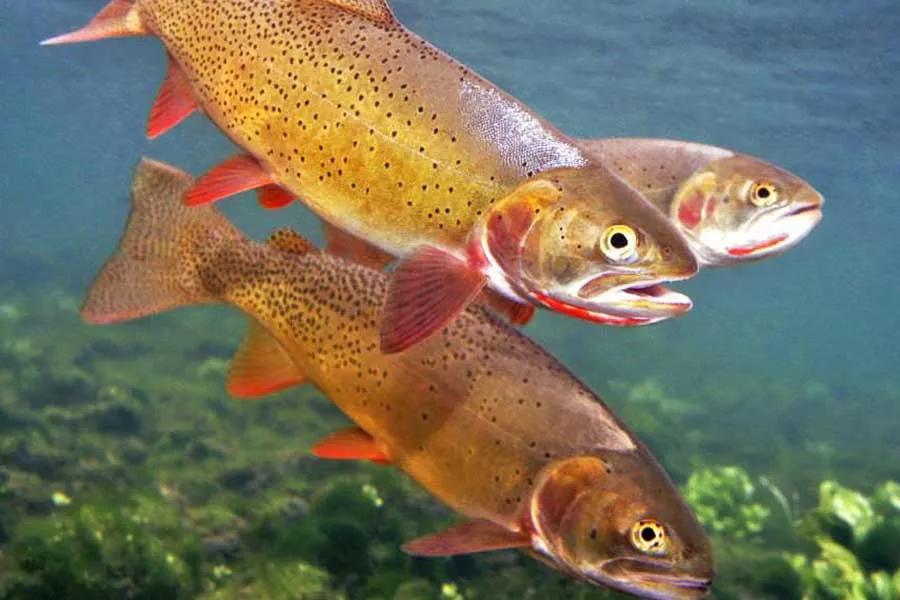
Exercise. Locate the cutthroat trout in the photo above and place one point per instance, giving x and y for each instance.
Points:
(730, 207)
(391, 140)
(481, 417)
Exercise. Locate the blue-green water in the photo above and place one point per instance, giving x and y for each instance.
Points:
(789, 368)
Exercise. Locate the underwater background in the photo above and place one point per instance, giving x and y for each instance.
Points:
(127, 472)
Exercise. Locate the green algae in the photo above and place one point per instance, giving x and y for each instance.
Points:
(133, 421)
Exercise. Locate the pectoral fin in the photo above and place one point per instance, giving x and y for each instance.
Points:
(467, 537)
(237, 174)
(343, 244)
(427, 291)
(174, 103)
(351, 443)
(261, 366)
(510, 220)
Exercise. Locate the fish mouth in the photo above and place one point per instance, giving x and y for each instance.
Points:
(797, 223)
(626, 576)
(624, 306)
(650, 301)
(684, 582)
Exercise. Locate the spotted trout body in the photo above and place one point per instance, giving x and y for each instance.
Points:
(481, 417)
(393, 141)
(378, 131)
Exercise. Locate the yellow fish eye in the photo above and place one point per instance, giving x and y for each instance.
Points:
(763, 194)
(619, 243)
(649, 537)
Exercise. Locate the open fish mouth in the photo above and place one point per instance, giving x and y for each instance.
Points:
(624, 306)
(650, 301)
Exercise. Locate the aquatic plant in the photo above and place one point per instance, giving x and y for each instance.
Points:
(724, 501)
(136, 548)
(858, 540)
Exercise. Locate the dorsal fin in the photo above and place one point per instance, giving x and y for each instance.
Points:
(374, 10)
(288, 240)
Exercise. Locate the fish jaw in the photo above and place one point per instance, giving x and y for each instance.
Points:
(643, 303)
(793, 226)
(647, 580)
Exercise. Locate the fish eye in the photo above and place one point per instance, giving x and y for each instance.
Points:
(649, 537)
(619, 243)
(763, 194)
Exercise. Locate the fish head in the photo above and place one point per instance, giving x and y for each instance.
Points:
(620, 524)
(601, 251)
(740, 208)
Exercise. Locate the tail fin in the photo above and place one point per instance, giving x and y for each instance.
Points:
(119, 18)
(158, 264)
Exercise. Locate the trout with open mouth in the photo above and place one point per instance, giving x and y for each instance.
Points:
(481, 417)
(391, 140)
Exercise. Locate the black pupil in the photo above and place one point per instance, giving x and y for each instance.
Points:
(618, 240)
(763, 192)
(648, 534)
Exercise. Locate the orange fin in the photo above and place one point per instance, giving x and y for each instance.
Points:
(261, 366)
(288, 240)
(274, 197)
(351, 443)
(117, 19)
(375, 10)
(174, 103)
(428, 289)
(467, 537)
(346, 245)
(237, 174)
(516, 312)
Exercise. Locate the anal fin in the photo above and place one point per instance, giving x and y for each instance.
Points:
(261, 366)
(427, 291)
(351, 443)
(346, 245)
(119, 18)
(235, 175)
(174, 103)
(467, 537)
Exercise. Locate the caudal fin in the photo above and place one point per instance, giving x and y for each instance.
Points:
(158, 264)
(119, 18)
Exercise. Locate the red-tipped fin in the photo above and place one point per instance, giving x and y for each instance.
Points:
(174, 103)
(351, 443)
(261, 366)
(119, 18)
(274, 197)
(467, 537)
(516, 312)
(237, 174)
(343, 244)
(427, 291)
